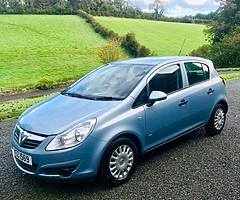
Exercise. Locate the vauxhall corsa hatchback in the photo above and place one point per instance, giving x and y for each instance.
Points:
(102, 124)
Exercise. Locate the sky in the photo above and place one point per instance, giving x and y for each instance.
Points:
(179, 8)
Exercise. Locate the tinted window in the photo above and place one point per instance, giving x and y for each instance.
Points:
(167, 80)
(114, 80)
(196, 72)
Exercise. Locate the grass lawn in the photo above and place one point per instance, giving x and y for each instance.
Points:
(164, 38)
(13, 109)
(56, 47)
(231, 76)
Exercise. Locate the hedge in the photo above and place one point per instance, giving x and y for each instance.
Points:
(129, 42)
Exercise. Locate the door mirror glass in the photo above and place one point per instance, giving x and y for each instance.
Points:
(157, 96)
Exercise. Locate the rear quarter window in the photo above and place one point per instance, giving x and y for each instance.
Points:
(196, 72)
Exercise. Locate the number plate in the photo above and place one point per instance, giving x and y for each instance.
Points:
(22, 157)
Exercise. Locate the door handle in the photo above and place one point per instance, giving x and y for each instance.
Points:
(183, 102)
(211, 91)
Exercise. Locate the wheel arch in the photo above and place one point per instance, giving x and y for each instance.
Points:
(130, 135)
(133, 137)
(224, 104)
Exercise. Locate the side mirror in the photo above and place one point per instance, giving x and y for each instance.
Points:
(156, 96)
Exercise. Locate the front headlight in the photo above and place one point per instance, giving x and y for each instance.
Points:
(72, 137)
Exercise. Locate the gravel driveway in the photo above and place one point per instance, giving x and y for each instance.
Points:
(193, 167)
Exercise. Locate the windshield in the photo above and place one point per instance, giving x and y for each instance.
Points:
(111, 82)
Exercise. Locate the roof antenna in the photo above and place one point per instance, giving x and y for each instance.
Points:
(184, 41)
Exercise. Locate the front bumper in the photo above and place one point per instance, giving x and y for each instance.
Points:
(80, 162)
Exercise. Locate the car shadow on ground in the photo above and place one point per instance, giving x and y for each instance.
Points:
(97, 186)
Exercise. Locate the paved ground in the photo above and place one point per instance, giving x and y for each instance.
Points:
(194, 167)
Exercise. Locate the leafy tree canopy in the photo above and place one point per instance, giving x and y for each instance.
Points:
(227, 20)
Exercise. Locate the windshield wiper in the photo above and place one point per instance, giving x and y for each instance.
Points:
(103, 98)
(77, 95)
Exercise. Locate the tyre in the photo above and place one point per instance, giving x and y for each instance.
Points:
(217, 121)
(119, 162)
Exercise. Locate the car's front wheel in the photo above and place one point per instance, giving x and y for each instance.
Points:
(119, 161)
(217, 121)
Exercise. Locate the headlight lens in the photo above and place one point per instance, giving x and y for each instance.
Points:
(72, 137)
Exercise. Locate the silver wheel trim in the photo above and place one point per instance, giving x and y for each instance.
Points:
(219, 119)
(121, 161)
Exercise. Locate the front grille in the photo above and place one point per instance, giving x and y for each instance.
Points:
(32, 140)
(17, 133)
(30, 144)
(27, 167)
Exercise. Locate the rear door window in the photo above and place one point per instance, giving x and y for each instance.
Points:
(196, 72)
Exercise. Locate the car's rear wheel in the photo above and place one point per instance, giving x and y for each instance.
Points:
(217, 120)
(119, 161)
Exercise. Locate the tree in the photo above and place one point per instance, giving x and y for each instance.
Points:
(226, 52)
(209, 16)
(157, 6)
(227, 20)
(224, 34)
(43, 4)
(75, 4)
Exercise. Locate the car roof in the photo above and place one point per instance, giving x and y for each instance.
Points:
(161, 60)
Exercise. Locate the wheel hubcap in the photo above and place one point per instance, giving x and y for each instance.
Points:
(121, 162)
(219, 119)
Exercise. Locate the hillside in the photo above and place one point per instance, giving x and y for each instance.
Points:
(164, 38)
(35, 46)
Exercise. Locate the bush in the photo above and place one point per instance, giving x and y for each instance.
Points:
(110, 52)
(144, 51)
(44, 84)
(113, 35)
(203, 51)
(130, 44)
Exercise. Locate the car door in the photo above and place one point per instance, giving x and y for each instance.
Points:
(201, 92)
(168, 118)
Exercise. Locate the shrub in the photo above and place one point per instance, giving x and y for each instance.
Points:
(131, 44)
(143, 51)
(113, 35)
(203, 51)
(154, 53)
(44, 84)
(110, 52)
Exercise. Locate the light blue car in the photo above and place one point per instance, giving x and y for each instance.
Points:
(102, 124)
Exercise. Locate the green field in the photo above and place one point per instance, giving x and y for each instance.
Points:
(35, 46)
(62, 48)
(164, 38)
(13, 109)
